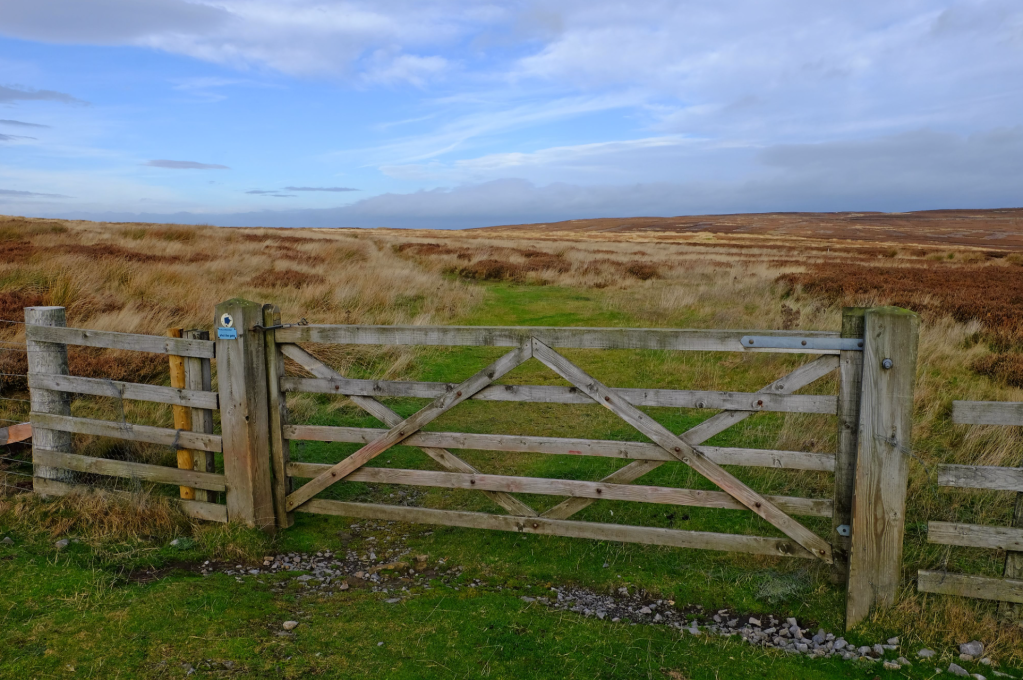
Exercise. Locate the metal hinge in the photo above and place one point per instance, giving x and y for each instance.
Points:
(788, 342)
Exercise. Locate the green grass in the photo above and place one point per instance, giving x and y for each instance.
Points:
(77, 609)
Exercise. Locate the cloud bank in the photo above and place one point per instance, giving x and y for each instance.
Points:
(184, 165)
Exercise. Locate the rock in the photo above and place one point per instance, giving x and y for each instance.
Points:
(7, 541)
(956, 669)
(978, 676)
(818, 638)
(343, 586)
(393, 600)
(864, 650)
(380, 644)
(893, 641)
(802, 647)
(290, 625)
(904, 661)
(966, 657)
(645, 610)
(925, 653)
(526, 598)
(62, 543)
(891, 666)
(658, 618)
(974, 648)
(840, 644)
(791, 622)
(986, 661)
(754, 622)
(175, 542)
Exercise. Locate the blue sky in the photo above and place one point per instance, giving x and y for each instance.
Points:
(446, 114)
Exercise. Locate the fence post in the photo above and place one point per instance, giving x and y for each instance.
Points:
(882, 464)
(241, 376)
(198, 376)
(280, 447)
(850, 373)
(182, 414)
(51, 358)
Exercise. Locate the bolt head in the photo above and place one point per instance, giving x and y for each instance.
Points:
(887, 363)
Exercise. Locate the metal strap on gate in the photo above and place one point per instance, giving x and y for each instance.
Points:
(783, 342)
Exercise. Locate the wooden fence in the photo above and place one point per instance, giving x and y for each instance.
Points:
(1008, 590)
(874, 354)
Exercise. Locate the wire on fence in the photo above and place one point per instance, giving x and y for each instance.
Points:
(14, 375)
(12, 399)
(16, 460)
(8, 420)
(9, 321)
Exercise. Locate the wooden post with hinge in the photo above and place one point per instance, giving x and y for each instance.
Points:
(882, 465)
(48, 358)
(199, 376)
(241, 379)
(280, 447)
(182, 414)
(850, 373)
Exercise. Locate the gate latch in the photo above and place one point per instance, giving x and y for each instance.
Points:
(790, 342)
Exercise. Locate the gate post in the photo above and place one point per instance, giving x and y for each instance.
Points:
(241, 375)
(850, 373)
(882, 462)
(50, 358)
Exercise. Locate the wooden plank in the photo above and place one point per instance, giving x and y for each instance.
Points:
(979, 587)
(142, 471)
(244, 413)
(683, 451)
(444, 458)
(882, 461)
(514, 336)
(116, 389)
(559, 394)
(49, 359)
(796, 380)
(182, 414)
(793, 460)
(1014, 566)
(987, 412)
(816, 507)
(756, 545)
(850, 378)
(975, 536)
(280, 448)
(129, 341)
(199, 378)
(981, 477)
(15, 433)
(195, 509)
(129, 431)
(411, 425)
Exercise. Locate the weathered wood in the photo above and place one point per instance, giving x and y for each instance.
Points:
(514, 336)
(980, 587)
(981, 477)
(682, 451)
(411, 425)
(196, 509)
(1014, 566)
(446, 459)
(558, 394)
(850, 373)
(975, 535)
(797, 379)
(15, 433)
(182, 414)
(882, 464)
(100, 387)
(757, 545)
(199, 378)
(47, 358)
(111, 340)
(280, 448)
(793, 460)
(987, 412)
(244, 414)
(816, 507)
(129, 431)
(141, 471)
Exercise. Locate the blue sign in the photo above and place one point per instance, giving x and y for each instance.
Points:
(227, 333)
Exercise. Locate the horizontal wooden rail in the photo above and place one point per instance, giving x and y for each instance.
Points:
(121, 468)
(794, 460)
(139, 433)
(757, 545)
(816, 507)
(980, 587)
(557, 394)
(981, 477)
(196, 509)
(158, 344)
(513, 336)
(975, 536)
(124, 390)
(987, 412)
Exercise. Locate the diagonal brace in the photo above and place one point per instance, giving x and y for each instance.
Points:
(681, 450)
(794, 381)
(411, 425)
(381, 412)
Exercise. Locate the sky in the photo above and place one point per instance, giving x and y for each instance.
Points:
(439, 114)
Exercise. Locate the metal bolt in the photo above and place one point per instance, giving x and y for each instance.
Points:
(886, 364)
(804, 342)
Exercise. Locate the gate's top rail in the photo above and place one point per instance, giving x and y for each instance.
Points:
(583, 338)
